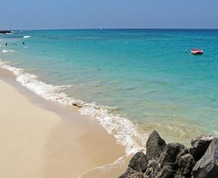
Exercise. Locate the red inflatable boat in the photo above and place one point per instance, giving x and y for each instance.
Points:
(196, 51)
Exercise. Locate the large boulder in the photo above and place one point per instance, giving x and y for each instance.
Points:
(138, 162)
(175, 161)
(207, 166)
(136, 167)
(200, 145)
(154, 146)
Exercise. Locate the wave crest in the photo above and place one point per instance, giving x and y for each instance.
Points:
(8, 51)
(26, 36)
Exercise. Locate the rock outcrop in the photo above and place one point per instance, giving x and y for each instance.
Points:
(174, 160)
(200, 145)
(138, 162)
(207, 166)
(154, 146)
(5, 31)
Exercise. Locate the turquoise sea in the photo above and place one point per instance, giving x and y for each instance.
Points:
(131, 80)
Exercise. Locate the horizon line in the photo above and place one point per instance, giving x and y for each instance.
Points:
(162, 28)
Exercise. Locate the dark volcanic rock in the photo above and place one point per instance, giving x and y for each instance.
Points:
(138, 162)
(136, 167)
(175, 161)
(154, 145)
(152, 169)
(200, 145)
(169, 154)
(131, 173)
(185, 162)
(207, 166)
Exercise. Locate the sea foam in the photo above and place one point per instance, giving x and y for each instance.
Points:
(120, 162)
(125, 132)
(26, 36)
(8, 51)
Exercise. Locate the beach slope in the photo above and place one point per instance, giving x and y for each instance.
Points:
(38, 143)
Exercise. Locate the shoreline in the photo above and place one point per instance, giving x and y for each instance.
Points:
(50, 140)
(124, 130)
(161, 109)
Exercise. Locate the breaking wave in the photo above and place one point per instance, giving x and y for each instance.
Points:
(26, 36)
(125, 132)
(8, 51)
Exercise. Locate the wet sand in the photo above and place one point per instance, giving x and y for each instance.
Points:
(40, 139)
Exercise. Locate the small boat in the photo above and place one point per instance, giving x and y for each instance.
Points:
(197, 51)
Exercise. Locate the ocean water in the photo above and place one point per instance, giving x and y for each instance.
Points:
(132, 81)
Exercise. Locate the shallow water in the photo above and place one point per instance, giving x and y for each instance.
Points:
(130, 80)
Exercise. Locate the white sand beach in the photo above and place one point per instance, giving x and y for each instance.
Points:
(39, 139)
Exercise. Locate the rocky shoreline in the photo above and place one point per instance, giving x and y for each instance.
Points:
(174, 160)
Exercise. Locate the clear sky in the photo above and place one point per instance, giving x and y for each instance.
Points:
(74, 14)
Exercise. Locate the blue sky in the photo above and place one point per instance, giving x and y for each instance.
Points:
(74, 14)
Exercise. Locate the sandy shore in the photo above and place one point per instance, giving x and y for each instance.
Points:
(39, 139)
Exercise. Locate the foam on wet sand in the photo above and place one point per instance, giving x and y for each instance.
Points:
(43, 139)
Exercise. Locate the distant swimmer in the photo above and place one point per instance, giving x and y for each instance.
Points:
(186, 51)
(23, 43)
(6, 44)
